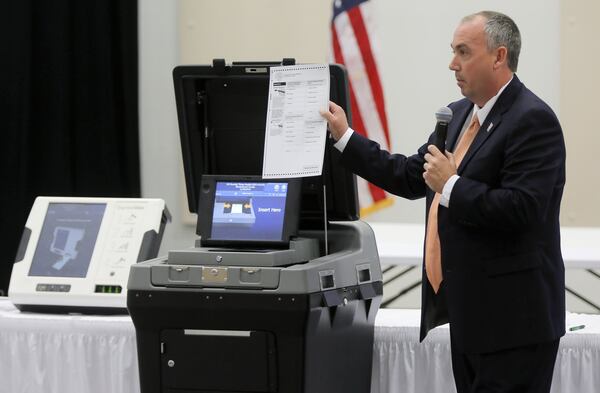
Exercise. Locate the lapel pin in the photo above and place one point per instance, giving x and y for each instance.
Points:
(490, 127)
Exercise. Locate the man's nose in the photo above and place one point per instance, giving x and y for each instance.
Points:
(453, 64)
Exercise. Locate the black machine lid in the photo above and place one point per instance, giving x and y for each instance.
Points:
(222, 116)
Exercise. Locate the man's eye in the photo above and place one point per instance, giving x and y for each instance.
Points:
(459, 52)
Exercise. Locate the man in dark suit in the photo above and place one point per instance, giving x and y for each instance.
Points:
(493, 266)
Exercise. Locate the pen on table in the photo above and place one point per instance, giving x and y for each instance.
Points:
(578, 327)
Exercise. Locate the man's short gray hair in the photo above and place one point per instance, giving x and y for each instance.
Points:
(501, 30)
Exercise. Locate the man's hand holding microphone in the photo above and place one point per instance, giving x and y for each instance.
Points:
(438, 168)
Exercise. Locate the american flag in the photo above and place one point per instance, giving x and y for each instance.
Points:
(353, 45)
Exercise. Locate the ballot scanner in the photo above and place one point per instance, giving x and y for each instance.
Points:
(284, 299)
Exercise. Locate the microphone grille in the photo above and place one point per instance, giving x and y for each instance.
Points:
(444, 114)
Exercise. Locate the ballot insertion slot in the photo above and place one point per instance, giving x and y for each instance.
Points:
(223, 333)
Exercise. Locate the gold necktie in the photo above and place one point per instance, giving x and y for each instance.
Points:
(433, 255)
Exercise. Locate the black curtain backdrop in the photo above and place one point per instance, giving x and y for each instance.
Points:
(68, 109)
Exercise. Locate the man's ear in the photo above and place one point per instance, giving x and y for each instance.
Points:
(501, 57)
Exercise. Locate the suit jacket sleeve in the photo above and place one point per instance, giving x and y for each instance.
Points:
(395, 173)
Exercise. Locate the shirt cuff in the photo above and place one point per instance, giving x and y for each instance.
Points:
(445, 197)
(343, 141)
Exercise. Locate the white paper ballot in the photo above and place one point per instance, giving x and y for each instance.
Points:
(295, 131)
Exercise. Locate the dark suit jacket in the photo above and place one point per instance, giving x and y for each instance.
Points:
(500, 241)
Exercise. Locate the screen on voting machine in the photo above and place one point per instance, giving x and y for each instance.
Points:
(67, 240)
(249, 211)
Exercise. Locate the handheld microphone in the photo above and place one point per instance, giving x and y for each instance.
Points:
(443, 117)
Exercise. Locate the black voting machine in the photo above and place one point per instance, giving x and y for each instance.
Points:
(289, 319)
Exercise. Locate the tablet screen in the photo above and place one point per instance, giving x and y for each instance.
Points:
(246, 211)
(67, 239)
(249, 211)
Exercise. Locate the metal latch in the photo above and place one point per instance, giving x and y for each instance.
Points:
(214, 274)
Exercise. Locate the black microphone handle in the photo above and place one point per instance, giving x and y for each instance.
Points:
(441, 129)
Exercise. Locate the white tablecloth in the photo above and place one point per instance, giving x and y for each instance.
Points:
(42, 353)
(97, 354)
(402, 365)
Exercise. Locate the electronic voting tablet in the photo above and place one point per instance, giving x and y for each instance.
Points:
(247, 211)
(75, 253)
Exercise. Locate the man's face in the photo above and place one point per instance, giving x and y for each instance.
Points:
(472, 62)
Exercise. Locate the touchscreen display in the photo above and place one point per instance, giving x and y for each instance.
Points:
(249, 211)
(67, 239)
